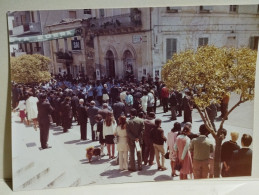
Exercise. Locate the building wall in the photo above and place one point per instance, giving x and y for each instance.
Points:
(221, 27)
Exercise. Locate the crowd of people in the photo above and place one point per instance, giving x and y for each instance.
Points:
(123, 113)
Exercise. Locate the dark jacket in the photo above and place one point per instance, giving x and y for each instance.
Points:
(135, 128)
(149, 125)
(92, 111)
(173, 99)
(241, 164)
(157, 136)
(118, 109)
(104, 112)
(44, 110)
(82, 114)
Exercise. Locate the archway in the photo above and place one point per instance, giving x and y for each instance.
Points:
(128, 62)
(110, 65)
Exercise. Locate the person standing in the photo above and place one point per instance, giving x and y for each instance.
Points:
(118, 109)
(134, 128)
(32, 110)
(44, 111)
(179, 98)
(122, 145)
(224, 106)
(108, 133)
(241, 164)
(158, 139)
(66, 114)
(149, 152)
(150, 101)
(92, 111)
(171, 140)
(187, 107)
(144, 99)
(183, 154)
(74, 105)
(82, 119)
(173, 105)
(227, 150)
(128, 103)
(99, 123)
(164, 97)
(201, 147)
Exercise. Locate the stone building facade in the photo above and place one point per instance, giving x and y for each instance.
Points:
(176, 29)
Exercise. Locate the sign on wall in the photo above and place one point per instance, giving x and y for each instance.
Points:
(76, 44)
(136, 38)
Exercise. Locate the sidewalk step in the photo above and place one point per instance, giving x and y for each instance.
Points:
(68, 179)
(29, 177)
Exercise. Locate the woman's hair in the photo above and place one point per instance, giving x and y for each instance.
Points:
(122, 122)
(177, 127)
(109, 119)
(186, 130)
(98, 117)
(234, 136)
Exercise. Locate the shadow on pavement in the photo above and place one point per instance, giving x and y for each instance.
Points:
(96, 161)
(115, 173)
(145, 171)
(162, 178)
(58, 133)
(72, 141)
(167, 121)
(84, 142)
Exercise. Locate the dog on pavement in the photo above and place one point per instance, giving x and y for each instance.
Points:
(91, 151)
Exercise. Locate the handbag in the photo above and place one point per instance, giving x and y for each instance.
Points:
(178, 165)
(167, 155)
(116, 139)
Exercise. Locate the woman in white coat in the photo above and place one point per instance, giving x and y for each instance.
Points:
(108, 134)
(122, 145)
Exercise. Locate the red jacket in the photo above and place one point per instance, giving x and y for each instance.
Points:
(164, 92)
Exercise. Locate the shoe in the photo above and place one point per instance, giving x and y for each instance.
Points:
(163, 168)
(140, 169)
(152, 163)
(158, 168)
(145, 163)
(174, 175)
(132, 170)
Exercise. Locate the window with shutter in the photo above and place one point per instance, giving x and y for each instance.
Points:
(233, 8)
(171, 48)
(203, 41)
(87, 11)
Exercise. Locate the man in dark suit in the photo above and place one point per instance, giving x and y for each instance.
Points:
(134, 128)
(44, 110)
(149, 153)
(104, 111)
(241, 164)
(92, 111)
(118, 108)
(82, 119)
(74, 105)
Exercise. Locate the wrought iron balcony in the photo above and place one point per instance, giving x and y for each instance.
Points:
(117, 23)
(64, 57)
(27, 29)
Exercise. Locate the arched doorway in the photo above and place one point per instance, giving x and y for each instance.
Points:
(128, 62)
(110, 65)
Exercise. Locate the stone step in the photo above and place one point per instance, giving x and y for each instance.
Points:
(30, 176)
(69, 179)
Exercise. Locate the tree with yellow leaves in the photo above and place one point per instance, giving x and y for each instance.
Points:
(209, 72)
(29, 69)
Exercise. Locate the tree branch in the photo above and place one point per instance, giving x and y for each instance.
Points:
(206, 123)
(236, 105)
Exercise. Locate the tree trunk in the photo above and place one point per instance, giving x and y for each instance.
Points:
(217, 157)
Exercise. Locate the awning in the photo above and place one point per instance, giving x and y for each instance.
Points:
(46, 37)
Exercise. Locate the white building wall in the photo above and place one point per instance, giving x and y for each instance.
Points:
(188, 25)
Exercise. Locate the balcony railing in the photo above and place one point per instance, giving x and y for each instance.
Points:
(116, 22)
(64, 57)
(27, 28)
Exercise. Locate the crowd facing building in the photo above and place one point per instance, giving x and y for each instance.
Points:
(127, 110)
